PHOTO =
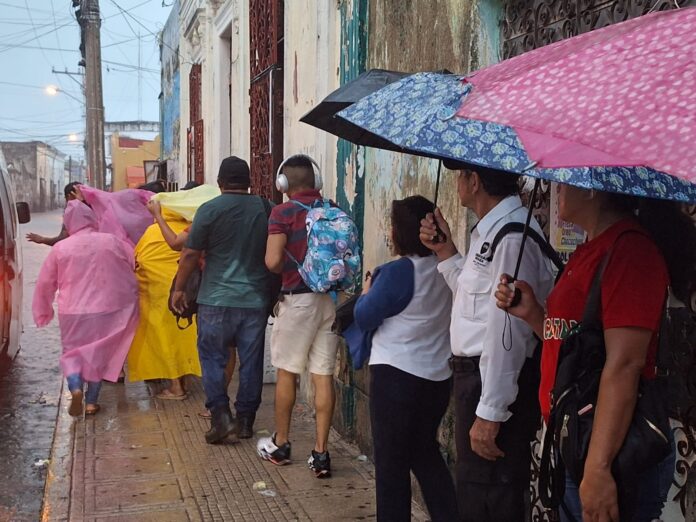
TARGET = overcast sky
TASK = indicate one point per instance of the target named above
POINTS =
(37, 35)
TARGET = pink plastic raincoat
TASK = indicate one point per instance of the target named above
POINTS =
(97, 297)
(123, 213)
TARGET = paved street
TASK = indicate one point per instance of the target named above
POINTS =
(142, 459)
(145, 460)
(29, 392)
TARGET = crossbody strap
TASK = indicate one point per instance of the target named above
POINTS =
(593, 305)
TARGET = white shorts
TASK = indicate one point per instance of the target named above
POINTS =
(302, 335)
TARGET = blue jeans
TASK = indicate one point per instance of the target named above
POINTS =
(220, 327)
(75, 383)
(653, 487)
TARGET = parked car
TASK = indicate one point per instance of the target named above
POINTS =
(11, 214)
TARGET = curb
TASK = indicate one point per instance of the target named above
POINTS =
(56, 499)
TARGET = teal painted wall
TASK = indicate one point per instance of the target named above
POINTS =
(350, 190)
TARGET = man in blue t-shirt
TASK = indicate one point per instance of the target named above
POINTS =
(231, 230)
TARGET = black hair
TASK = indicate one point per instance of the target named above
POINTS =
(191, 185)
(70, 188)
(153, 186)
(498, 183)
(406, 215)
(299, 160)
(304, 177)
(674, 233)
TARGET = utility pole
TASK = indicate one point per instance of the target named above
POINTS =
(90, 22)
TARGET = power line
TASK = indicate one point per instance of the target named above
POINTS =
(10, 47)
(19, 7)
(37, 47)
(55, 22)
(129, 66)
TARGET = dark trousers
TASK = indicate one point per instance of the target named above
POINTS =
(494, 491)
(219, 328)
(406, 411)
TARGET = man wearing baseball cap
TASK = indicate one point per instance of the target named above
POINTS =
(231, 230)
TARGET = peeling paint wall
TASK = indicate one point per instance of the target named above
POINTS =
(404, 35)
(310, 74)
(417, 35)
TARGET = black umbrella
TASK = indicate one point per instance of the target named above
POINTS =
(323, 116)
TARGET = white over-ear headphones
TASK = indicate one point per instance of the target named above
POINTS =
(282, 183)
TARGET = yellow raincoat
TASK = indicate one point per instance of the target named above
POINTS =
(160, 350)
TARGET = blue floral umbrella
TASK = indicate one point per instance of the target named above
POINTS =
(418, 114)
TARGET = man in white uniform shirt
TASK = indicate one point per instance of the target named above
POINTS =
(495, 370)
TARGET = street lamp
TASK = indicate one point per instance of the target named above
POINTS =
(52, 90)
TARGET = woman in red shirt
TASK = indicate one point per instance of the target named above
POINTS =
(652, 243)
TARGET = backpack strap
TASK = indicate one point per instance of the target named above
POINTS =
(518, 228)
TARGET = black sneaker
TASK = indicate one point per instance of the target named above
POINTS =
(320, 464)
(268, 450)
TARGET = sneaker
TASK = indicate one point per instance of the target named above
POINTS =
(268, 450)
(320, 464)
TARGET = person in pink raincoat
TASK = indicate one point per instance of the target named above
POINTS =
(93, 273)
(123, 213)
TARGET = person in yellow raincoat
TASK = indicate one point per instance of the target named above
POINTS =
(161, 350)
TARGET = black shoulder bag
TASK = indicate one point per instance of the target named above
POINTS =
(193, 285)
(574, 397)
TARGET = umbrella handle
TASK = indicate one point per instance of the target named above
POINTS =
(518, 294)
(517, 298)
(439, 234)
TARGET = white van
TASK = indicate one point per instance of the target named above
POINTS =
(11, 214)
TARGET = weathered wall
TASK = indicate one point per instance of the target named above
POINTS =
(310, 74)
(405, 35)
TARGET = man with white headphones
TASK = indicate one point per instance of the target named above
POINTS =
(302, 335)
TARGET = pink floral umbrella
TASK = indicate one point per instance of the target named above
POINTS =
(621, 96)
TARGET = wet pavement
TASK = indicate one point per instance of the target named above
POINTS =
(29, 393)
(142, 459)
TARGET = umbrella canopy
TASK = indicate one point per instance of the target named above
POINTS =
(531, 114)
(323, 115)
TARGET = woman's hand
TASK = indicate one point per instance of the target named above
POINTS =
(505, 293)
(429, 232)
(598, 496)
(155, 208)
(77, 193)
(528, 309)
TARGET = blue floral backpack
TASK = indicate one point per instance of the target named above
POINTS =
(332, 262)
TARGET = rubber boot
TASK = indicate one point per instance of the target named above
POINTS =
(246, 425)
(222, 425)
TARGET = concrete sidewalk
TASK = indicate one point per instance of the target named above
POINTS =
(143, 459)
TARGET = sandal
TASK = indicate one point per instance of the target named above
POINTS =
(92, 409)
(166, 395)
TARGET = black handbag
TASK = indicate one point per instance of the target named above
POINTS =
(193, 285)
(574, 397)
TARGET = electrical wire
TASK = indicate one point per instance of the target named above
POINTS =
(55, 22)
(13, 46)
